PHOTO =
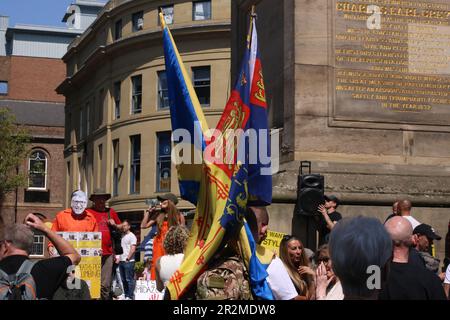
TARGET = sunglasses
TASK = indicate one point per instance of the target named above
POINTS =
(287, 237)
(325, 259)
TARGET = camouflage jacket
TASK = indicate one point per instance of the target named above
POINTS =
(227, 279)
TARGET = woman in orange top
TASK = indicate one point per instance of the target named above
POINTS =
(169, 216)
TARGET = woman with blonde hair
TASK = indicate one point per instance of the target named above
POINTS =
(168, 217)
(294, 258)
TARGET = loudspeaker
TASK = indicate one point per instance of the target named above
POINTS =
(310, 194)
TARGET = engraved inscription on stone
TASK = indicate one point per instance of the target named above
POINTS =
(392, 61)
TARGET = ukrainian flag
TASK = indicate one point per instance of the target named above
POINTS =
(221, 191)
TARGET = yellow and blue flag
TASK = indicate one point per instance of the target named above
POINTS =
(221, 191)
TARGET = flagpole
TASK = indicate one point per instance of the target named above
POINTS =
(250, 28)
(162, 20)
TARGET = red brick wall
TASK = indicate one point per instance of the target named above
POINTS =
(55, 180)
(4, 68)
(35, 79)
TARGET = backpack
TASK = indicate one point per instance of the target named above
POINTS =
(19, 286)
(226, 280)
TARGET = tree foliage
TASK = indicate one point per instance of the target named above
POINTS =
(14, 141)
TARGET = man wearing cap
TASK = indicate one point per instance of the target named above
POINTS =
(407, 280)
(74, 219)
(106, 218)
(424, 236)
(329, 217)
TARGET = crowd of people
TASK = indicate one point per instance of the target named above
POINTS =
(358, 257)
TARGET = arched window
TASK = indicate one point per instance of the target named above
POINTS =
(37, 170)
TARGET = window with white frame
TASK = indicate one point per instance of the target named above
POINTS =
(3, 87)
(37, 171)
(201, 10)
(163, 92)
(168, 14)
(38, 246)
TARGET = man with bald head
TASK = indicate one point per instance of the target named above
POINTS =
(406, 280)
(404, 210)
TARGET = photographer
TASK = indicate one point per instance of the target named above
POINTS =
(48, 274)
(149, 221)
(109, 225)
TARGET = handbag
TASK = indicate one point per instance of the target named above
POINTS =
(116, 238)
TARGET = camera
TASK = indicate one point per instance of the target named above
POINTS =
(152, 202)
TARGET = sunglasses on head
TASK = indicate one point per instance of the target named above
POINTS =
(287, 237)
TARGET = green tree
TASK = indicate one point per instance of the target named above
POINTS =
(14, 141)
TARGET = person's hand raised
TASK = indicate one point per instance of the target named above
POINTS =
(322, 209)
(34, 222)
(306, 270)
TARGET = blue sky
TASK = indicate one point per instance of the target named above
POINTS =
(40, 12)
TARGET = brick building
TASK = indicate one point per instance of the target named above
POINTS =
(30, 70)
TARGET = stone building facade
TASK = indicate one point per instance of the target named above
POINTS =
(117, 113)
(337, 87)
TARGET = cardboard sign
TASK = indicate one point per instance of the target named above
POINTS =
(273, 240)
(146, 290)
(89, 246)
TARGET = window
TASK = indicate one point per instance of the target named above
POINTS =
(101, 106)
(163, 165)
(82, 124)
(135, 164)
(202, 84)
(201, 10)
(138, 21)
(99, 164)
(88, 120)
(117, 86)
(163, 92)
(4, 87)
(136, 103)
(116, 168)
(38, 246)
(168, 14)
(37, 171)
(118, 30)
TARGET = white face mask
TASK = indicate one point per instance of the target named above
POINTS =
(79, 202)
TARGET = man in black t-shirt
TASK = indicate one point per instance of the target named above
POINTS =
(48, 274)
(408, 280)
(329, 217)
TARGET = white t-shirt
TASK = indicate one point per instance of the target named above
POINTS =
(413, 221)
(168, 265)
(279, 281)
(128, 240)
(447, 275)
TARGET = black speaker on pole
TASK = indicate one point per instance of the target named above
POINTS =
(310, 194)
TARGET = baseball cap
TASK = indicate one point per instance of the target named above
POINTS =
(427, 231)
(332, 198)
(168, 196)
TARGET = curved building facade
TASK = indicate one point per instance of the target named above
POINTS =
(117, 110)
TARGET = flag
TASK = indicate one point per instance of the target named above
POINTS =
(223, 190)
